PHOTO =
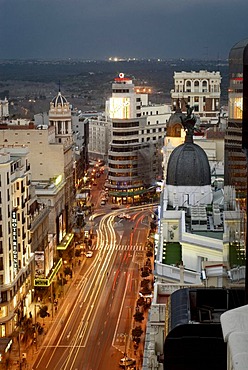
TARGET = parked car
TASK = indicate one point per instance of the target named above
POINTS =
(103, 202)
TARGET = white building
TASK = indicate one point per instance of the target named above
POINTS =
(15, 249)
(60, 118)
(137, 130)
(200, 90)
(196, 244)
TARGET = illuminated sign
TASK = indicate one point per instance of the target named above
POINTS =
(65, 242)
(14, 242)
(119, 108)
(48, 281)
(122, 78)
(236, 107)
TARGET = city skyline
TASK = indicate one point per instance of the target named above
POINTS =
(97, 29)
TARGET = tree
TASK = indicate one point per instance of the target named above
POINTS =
(136, 334)
(145, 283)
(44, 312)
(138, 316)
(145, 273)
(149, 253)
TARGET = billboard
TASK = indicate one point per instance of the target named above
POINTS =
(39, 260)
(119, 108)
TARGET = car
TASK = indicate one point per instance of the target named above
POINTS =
(121, 215)
(124, 215)
(126, 361)
(103, 202)
(89, 254)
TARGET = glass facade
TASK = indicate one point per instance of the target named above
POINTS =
(236, 136)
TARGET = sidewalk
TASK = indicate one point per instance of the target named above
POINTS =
(25, 346)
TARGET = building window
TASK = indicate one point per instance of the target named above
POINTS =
(188, 86)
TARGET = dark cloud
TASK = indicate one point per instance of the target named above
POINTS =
(128, 28)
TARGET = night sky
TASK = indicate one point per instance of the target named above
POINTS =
(98, 29)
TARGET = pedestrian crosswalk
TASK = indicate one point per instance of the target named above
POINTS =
(120, 247)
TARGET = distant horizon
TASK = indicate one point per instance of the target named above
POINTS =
(121, 59)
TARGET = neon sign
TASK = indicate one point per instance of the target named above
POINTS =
(14, 241)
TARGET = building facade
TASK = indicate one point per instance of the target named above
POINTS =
(15, 243)
(60, 117)
(235, 158)
(137, 131)
(200, 90)
(99, 137)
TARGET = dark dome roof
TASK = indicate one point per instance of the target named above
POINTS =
(175, 118)
(59, 99)
(188, 166)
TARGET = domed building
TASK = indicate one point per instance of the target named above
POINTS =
(60, 118)
(174, 125)
(188, 179)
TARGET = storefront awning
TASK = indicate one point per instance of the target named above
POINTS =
(45, 282)
(5, 344)
(65, 242)
(115, 193)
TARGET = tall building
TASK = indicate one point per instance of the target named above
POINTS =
(51, 164)
(137, 130)
(80, 128)
(4, 108)
(235, 158)
(15, 249)
(200, 90)
(98, 137)
(60, 117)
